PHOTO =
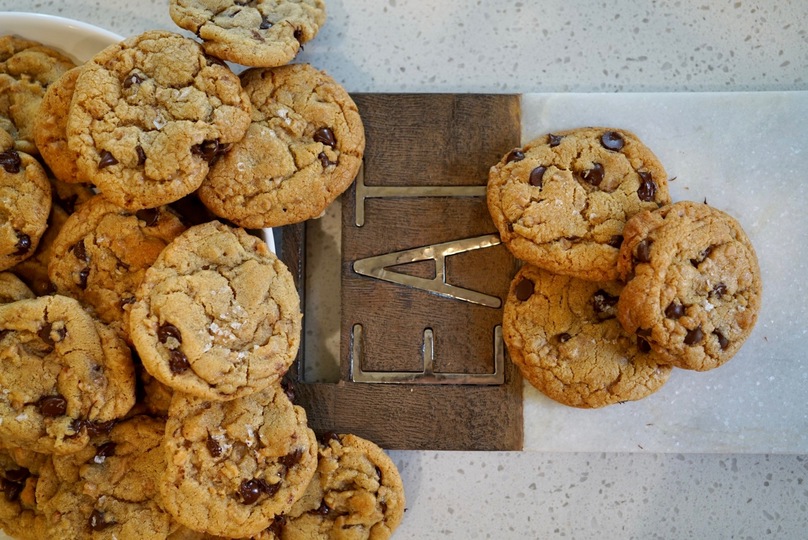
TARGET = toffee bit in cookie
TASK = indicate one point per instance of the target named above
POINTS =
(524, 289)
(719, 290)
(723, 342)
(11, 162)
(150, 215)
(177, 361)
(694, 337)
(616, 241)
(23, 244)
(213, 447)
(593, 176)
(98, 522)
(133, 79)
(642, 253)
(612, 140)
(674, 310)
(324, 160)
(325, 135)
(106, 159)
(52, 406)
(647, 190)
(104, 451)
(84, 274)
(554, 140)
(536, 178)
(515, 155)
(141, 155)
(167, 331)
(604, 303)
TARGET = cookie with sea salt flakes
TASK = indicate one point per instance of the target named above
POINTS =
(217, 315)
(302, 149)
(563, 335)
(693, 288)
(261, 33)
(233, 466)
(560, 202)
(149, 115)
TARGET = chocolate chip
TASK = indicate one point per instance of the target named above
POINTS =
(594, 175)
(126, 300)
(23, 244)
(277, 525)
(11, 489)
(325, 136)
(563, 337)
(52, 406)
(703, 254)
(324, 160)
(141, 155)
(642, 345)
(106, 159)
(210, 150)
(694, 336)
(104, 451)
(642, 253)
(11, 162)
(723, 342)
(68, 204)
(288, 387)
(322, 510)
(133, 79)
(291, 459)
(537, 176)
(379, 474)
(329, 436)
(647, 190)
(249, 491)
(616, 241)
(298, 33)
(524, 289)
(612, 140)
(515, 155)
(213, 447)
(80, 251)
(168, 330)
(265, 23)
(18, 476)
(554, 140)
(97, 428)
(719, 290)
(150, 215)
(674, 310)
(98, 522)
(46, 334)
(177, 361)
(603, 302)
(84, 273)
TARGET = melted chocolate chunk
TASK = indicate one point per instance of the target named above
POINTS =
(106, 159)
(177, 361)
(97, 428)
(265, 23)
(23, 244)
(46, 334)
(251, 490)
(593, 176)
(694, 337)
(326, 163)
(288, 387)
(554, 140)
(537, 176)
(166, 331)
(642, 253)
(616, 241)
(702, 255)
(98, 522)
(150, 215)
(325, 135)
(80, 251)
(11, 162)
(104, 451)
(210, 151)
(603, 302)
(322, 510)
(564, 337)
(723, 342)
(277, 525)
(719, 290)
(213, 447)
(84, 273)
(52, 406)
(674, 310)
(648, 188)
(612, 140)
(642, 345)
(524, 289)
(292, 459)
(329, 436)
(298, 35)
(515, 155)
(141, 155)
(133, 79)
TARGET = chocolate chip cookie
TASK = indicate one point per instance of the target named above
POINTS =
(102, 253)
(262, 33)
(62, 373)
(217, 315)
(303, 149)
(233, 466)
(13, 288)
(357, 488)
(560, 202)
(20, 515)
(24, 206)
(563, 335)
(150, 114)
(693, 289)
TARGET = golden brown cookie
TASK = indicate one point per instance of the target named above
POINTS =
(560, 202)
(233, 466)
(62, 373)
(13, 288)
(694, 286)
(102, 253)
(217, 315)
(303, 149)
(263, 33)
(563, 335)
(25, 203)
(150, 114)
(20, 514)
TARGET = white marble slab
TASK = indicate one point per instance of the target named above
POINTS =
(747, 154)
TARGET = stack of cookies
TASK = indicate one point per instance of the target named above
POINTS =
(144, 333)
(619, 284)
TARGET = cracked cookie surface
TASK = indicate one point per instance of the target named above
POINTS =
(563, 335)
(302, 149)
(233, 466)
(217, 315)
(561, 201)
(149, 115)
(261, 33)
(84, 374)
(693, 289)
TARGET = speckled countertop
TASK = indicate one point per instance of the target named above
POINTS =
(560, 46)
